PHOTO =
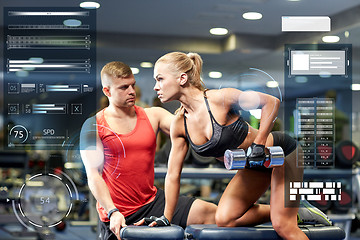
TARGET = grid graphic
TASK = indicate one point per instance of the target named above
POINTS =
(315, 191)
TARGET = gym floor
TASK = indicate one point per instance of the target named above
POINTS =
(355, 235)
(79, 233)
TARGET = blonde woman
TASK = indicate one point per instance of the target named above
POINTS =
(210, 122)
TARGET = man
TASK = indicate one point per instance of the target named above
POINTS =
(120, 163)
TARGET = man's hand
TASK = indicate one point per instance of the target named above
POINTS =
(117, 221)
(154, 221)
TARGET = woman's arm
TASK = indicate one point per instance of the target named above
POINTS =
(179, 148)
(269, 111)
(249, 100)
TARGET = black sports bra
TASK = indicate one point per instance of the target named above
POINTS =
(223, 137)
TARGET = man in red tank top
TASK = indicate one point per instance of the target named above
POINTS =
(120, 165)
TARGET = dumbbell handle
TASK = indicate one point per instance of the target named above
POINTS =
(237, 159)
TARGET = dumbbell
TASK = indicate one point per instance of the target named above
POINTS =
(236, 159)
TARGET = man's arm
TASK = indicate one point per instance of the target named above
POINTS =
(164, 119)
(92, 155)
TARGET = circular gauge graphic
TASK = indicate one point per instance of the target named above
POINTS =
(46, 199)
(18, 134)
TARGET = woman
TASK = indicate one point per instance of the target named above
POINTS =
(208, 121)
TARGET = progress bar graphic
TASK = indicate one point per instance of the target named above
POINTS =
(24, 13)
(50, 65)
(63, 88)
(48, 42)
(49, 108)
(43, 27)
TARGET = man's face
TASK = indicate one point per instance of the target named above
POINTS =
(121, 91)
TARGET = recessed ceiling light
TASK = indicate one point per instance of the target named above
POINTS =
(72, 23)
(330, 39)
(301, 79)
(272, 84)
(22, 73)
(90, 5)
(252, 16)
(28, 68)
(219, 31)
(346, 34)
(146, 64)
(135, 70)
(294, 0)
(324, 74)
(355, 87)
(215, 74)
(36, 60)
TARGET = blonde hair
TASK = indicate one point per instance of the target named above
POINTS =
(114, 70)
(190, 63)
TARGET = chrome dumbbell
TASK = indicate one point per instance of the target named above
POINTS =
(237, 159)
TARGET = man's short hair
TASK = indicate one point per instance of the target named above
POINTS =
(114, 69)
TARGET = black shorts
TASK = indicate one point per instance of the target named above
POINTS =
(155, 208)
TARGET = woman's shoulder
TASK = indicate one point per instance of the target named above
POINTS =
(179, 117)
(177, 124)
(221, 92)
(223, 95)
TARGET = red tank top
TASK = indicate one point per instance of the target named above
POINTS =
(128, 165)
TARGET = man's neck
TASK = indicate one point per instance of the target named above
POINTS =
(120, 112)
(121, 120)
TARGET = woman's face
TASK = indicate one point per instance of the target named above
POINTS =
(167, 85)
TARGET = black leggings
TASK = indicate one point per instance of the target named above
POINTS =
(287, 143)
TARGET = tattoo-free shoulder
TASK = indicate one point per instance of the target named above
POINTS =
(224, 96)
(177, 126)
(156, 111)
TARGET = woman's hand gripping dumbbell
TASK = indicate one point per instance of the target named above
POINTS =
(258, 156)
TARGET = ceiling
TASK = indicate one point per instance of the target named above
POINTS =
(142, 30)
(193, 18)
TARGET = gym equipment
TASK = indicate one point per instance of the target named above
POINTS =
(346, 153)
(237, 159)
(264, 232)
(173, 232)
(345, 203)
(355, 224)
(14, 159)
